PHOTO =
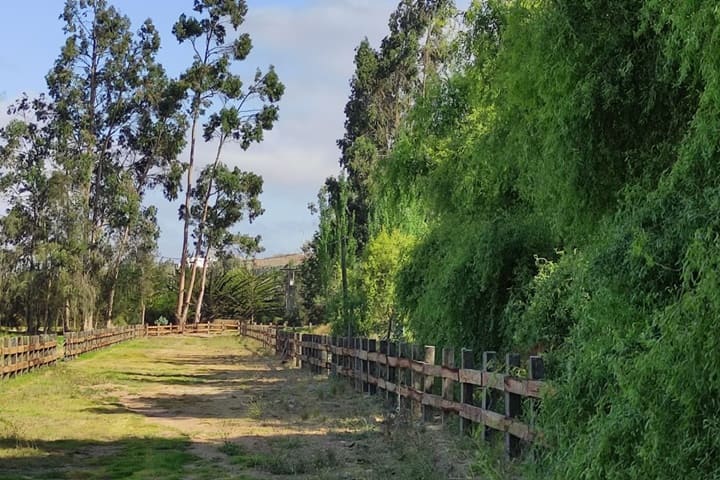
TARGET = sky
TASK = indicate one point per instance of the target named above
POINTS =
(311, 44)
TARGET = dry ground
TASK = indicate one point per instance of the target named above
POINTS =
(207, 408)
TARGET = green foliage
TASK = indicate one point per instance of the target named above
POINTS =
(559, 180)
(241, 293)
(76, 165)
(458, 281)
(383, 258)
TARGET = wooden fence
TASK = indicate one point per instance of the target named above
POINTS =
(21, 354)
(501, 397)
(158, 330)
(81, 342)
(207, 328)
(267, 335)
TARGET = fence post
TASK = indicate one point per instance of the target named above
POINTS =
(303, 350)
(488, 400)
(297, 350)
(513, 406)
(391, 373)
(364, 364)
(2, 357)
(324, 354)
(372, 367)
(416, 379)
(467, 390)
(448, 360)
(427, 410)
(382, 367)
(536, 371)
(357, 364)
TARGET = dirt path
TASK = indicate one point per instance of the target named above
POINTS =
(205, 408)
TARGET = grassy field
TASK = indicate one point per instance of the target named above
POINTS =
(206, 408)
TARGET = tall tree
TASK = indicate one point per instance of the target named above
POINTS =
(243, 115)
(223, 197)
(82, 158)
(117, 127)
(383, 87)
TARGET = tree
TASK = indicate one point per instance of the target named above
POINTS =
(83, 157)
(223, 197)
(383, 87)
(117, 128)
(241, 293)
(209, 80)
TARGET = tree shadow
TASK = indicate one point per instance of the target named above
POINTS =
(75, 459)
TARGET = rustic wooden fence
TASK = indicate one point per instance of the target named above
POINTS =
(501, 397)
(19, 355)
(82, 342)
(206, 328)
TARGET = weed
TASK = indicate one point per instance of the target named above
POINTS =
(230, 449)
(254, 409)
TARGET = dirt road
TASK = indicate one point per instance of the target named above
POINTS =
(206, 408)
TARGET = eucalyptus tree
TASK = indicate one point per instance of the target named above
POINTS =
(82, 158)
(242, 113)
(118, 129)
(222, 198)
(31, 234)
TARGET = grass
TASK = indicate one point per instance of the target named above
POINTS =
(204, 409)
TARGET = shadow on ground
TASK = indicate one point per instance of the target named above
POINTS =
(236, 416)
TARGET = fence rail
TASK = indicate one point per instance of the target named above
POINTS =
(501, 397)
(82, 342)
(209, 328)
(21, 354)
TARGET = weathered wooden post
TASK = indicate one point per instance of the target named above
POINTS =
(303, 350)
(448, 360)
(487, 401)
(416, 378)
(467, 390)
(372, 366)
(382, 367)
(364, 363)
(427, 410)
(357, 362)
(391, 374)
(536, 371)
(513, 406)
(325, 356)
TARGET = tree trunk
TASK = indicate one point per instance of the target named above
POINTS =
(186, 224)
(88, 322)
(46, 313)
(201, 294)
(111, 301)
(115, 275)
(66, 318)
(142, 312)
(191, 287)
(203, 219)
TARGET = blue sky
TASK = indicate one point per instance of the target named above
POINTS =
(311, 44)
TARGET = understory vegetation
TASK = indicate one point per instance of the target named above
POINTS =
(543, 176)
